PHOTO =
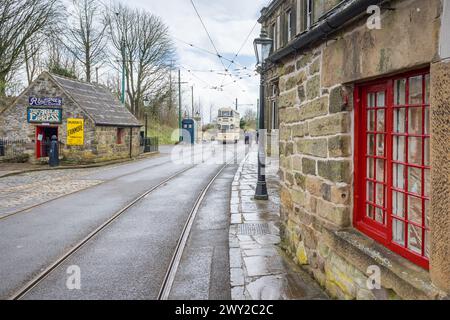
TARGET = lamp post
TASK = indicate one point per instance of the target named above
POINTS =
(263, 46)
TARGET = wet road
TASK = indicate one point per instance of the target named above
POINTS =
(128, 259)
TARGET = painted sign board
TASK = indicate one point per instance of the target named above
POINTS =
(45, 102)
(44, 115)
(75, 132)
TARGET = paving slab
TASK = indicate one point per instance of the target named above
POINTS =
(259, 268)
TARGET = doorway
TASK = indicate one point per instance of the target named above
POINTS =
(43, 140)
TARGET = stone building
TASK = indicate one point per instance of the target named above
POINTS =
(87, 119)
(361, 89)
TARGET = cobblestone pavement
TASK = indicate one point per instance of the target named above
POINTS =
(259, 269)
(29, 189)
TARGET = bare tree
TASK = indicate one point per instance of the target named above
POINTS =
(85, 38)
(60, 60)
(33, 58)
(20, 20)
(142, 41)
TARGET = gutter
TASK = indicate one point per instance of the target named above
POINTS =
(325, 27)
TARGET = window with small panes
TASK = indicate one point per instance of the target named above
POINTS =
(392, 163)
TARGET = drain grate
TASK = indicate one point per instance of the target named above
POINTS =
(253, 229)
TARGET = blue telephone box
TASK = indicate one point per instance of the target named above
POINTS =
(189, 131)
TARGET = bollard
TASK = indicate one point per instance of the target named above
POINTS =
(54, 152)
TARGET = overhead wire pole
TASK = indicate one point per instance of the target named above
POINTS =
(179, 106)
(192, 92)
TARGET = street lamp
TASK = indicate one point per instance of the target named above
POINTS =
(263, 46)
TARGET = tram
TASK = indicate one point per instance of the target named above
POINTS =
(228, 126)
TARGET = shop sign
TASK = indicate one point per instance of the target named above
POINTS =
(44, 115)
(75, 132)
(45, 102)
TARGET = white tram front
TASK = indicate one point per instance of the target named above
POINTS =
(228, 126)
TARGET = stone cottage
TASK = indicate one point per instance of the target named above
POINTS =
(361, 89)
(89, 122)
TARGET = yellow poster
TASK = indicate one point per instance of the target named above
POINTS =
(75, 132)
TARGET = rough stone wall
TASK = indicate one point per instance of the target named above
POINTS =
(440, 174)
(107, 147)
(99, 142)
(316, 170)
(316, 149)
(14, 125)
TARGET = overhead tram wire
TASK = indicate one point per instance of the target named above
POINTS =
(232, 101)
(209, 36)
(241, 47)
(244, 43)
(212, 53)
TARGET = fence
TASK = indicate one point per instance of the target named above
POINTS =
(12, 148)
(150, 144)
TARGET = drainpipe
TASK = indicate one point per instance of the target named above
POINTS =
(326, 27)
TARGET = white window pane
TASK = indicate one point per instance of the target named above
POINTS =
(370, 168)
(398, 232)
(415, 210)
(371, 144)
(370, 211)
(415, 151)
(370, 192)
(415, 180)
(400, 92)
(415, 120)
(415, 90)
(381, 99)
(399, 176)
(371, 100)
(415, 239)
(371, 120)
(381, 121)
(399, 120)
(380, 171)
(380, 145)
(398, 204)
(399, 149)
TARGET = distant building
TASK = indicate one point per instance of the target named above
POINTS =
(89, 122)
(360, 91)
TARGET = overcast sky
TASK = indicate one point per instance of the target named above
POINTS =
(229, 22)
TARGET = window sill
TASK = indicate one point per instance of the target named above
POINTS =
(405, 278)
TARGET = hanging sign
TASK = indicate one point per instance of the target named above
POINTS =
(45, 102)
(75, 132)
(44, 115)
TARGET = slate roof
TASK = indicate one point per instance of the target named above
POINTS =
(98, 102)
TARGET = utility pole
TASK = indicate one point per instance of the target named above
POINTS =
(179, 104)
(237, 106)
(123, 71)
(192, 88)
(96, 74)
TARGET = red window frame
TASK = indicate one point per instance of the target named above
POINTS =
(382, 231)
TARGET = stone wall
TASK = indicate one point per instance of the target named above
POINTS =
(316, 151)
(99, 142)
(14, 125)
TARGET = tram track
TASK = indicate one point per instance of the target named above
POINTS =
(166, 286)
(169, 278)
(25, 210)
(41, 276)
